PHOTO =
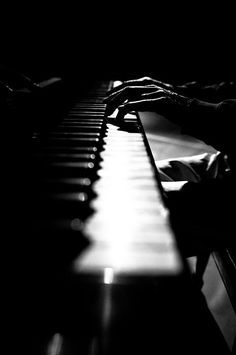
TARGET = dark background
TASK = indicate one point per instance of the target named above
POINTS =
(95, 41)
(116, 41)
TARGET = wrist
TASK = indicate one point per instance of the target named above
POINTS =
(196, 106)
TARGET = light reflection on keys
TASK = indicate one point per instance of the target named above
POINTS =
(136, 238)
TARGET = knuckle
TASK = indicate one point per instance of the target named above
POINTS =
(147, 78)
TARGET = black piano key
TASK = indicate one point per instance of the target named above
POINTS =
(76, 182)
(91, 122)
(85, 114)
(85, 103)
(60, 157)
(74, 141)
(74, 134)
(52, 206)
(84, 120)
(78, 165)
(61, 226)
(48, 149)
(68, 185)
(58, 241)
(66, 169)
(87, 165)
(76, 197)
(88, 108)
(79, 128)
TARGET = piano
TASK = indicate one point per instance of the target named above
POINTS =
(108, 275)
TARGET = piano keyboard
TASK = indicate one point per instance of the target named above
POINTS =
(108, 277)
(99, 179)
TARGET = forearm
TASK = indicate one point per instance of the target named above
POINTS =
(211, 122)
(212, 92)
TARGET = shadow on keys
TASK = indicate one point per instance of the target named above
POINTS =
(97, 279)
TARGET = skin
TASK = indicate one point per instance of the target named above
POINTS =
(144, 94)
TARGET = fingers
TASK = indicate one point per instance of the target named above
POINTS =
(132, 93)
(135, 82)
(150, 104)
(155, 94)
(144, 81)
(143, 98)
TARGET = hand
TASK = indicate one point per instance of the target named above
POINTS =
(144, 94)
(144, 81)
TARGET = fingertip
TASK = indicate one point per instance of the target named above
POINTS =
(108, 111)
(121, 113)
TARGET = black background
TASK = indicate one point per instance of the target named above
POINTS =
(117, 40)
(97, 41)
